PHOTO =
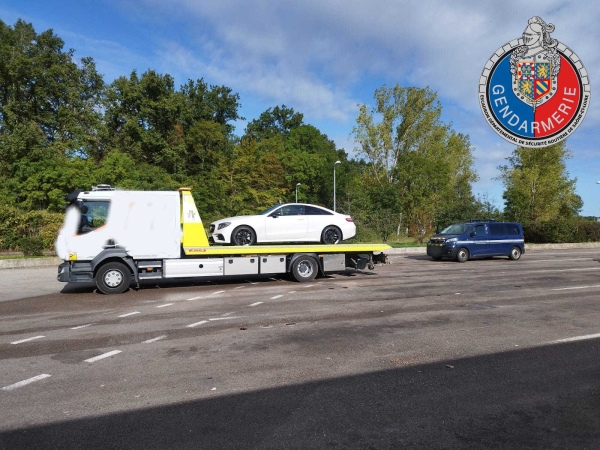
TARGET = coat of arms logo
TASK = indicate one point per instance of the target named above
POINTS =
(534, 91)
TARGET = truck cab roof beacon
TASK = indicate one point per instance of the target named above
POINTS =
(534, 91)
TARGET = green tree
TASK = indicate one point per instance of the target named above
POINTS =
(277, 120)
(537, 186)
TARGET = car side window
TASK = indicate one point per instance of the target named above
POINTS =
(479, 230)
(497, 229)
(312, 211)
(513, 229)
(292, 210)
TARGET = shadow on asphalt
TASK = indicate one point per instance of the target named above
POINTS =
(546, 397)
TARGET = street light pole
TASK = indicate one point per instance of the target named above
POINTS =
(297, 184)
(336, 163)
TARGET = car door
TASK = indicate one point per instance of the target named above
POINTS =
(478, 238)
(287, 224)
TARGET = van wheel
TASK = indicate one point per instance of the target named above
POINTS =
(113, 278)
(462, 255)
(515, 253)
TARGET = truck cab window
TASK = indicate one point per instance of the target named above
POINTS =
(93, 215)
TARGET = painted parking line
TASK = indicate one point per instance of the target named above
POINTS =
(130, 314)
(227, 314)
(308, 285)
(102, 356)
(223, 318)
(256, 304)
(576, 287)
(28, 339)
(165, 305)
(292, 292)
(577, 338)
(149, 341)
(194, 298)
(218, 292)
(240, 287)
(25, 382)
(277, 296)
(197, 323)
(82, 326)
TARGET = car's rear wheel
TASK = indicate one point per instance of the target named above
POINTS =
(243, 235)
(331, 235)
(515, 253)
(462, 255)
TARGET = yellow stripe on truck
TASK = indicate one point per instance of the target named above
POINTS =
(283, 249)
(194, 234)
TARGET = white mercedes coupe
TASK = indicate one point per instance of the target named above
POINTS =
(290, 222)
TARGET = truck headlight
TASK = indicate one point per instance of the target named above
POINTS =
(223, 225)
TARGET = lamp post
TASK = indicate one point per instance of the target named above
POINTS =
(297, 184)
(336, 163)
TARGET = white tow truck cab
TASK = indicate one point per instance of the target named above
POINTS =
(114, 237)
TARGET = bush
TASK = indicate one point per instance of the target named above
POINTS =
(561, 231)
(32, 246)
(16, 225)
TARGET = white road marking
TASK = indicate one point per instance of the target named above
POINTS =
(25, 382)
(129, 314)
(228, 314)
(576, 287)
(82, 326)
(292, 292)
(555, 260)
(149, 341)
(240, 287)
(195, 298)
(28, 339)
(577, 338)
(197, 323)
(224, 318)
(218, 292)
(308, 285)
(102, 356)
(277, 296)
(256, 304)
(165, 305)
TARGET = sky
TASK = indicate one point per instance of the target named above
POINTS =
(324, 57)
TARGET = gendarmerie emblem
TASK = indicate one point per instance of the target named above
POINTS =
(534, 91)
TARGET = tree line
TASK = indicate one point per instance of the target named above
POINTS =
(62, 128)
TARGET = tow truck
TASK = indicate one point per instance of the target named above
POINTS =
(116, 237)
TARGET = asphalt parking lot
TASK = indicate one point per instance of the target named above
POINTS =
(416, 354)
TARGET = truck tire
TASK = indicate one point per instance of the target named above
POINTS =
(305, 268)
(113, 278)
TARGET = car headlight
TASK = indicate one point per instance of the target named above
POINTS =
(223, 225)
(451, 240)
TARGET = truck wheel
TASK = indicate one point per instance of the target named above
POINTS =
(243, 235)
(462, 255)
(304, 268)
(331, 235)
(113, 278)
(515, 253)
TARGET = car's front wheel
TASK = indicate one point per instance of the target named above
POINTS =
(331, 235)
(462, 255)
(243, 235)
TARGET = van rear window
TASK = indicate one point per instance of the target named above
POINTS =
(513, 229)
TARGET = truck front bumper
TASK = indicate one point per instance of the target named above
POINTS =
(75, 272)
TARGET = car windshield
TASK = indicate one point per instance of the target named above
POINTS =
(456, 228)
(269, 210)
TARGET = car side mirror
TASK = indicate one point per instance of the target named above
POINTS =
(473, 233)
(274, 216)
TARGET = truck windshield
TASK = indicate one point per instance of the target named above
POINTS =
(456, 228)
(93, 214)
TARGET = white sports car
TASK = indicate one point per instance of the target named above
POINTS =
(290, 222)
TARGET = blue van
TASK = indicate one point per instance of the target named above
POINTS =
(478, 238)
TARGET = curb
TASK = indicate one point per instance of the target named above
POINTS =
(30, 262)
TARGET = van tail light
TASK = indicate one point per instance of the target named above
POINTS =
(349, 219)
